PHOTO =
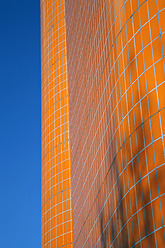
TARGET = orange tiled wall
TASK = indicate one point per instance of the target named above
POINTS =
(56, 171)
(116, 71)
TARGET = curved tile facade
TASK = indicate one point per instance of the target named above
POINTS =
(56, 168)
(116, 69)
(114, 119)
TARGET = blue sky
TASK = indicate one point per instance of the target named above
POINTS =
(20, 124)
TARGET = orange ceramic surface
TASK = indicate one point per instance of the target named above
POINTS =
(56, 167)
(116, 69)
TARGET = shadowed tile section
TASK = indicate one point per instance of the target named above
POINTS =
(116, 69)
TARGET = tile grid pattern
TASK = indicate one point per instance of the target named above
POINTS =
(116, 71)
(56, 169)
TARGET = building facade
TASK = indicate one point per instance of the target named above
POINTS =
(56, 168)
(115, 122)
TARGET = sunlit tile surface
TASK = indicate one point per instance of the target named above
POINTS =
(116, 71)
(56, 169)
